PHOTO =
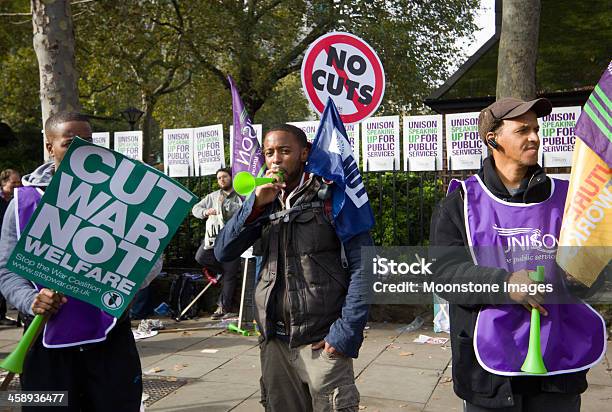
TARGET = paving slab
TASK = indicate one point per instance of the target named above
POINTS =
(443, 398)
(597, 398)
(227, 346)
(149, 356)
(601, 374)
(242, 370)
(186, 366)
(414, 355)
(204, 396)
(11, 333)
(370, 404)
(249, 405)
(170, 342)
(397, 382)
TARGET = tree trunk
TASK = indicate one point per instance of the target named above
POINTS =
(54, 46)
(148, 105)
(518, 49)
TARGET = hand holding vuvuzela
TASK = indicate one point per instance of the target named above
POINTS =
(45, 304)
(522, 296)
(534, 361)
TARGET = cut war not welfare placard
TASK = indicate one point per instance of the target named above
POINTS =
(100, 226)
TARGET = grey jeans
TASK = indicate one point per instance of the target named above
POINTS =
(302, 380)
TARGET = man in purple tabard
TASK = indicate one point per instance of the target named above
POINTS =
(511, 197)
(82, 350)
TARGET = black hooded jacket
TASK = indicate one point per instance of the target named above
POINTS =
(471, 382)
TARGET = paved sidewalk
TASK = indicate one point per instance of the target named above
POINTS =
(393, 373)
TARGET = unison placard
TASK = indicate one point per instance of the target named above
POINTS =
(209, 155)
(464, 148)
(352, 132)
(422, 143)
(558, 136)
(129, 144)
(309, 127)
(178, 152)
(381, 143)
(100, 226)
(101, 139)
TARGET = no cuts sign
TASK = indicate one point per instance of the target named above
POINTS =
(345, 68)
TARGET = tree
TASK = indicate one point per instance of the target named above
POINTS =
(258, 42)
(262, 42)
(518, 49)
(171, 58)
(54, 45)
(131, 48)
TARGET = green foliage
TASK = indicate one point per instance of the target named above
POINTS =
(416, 43)
(170, 58)
(574, 49)
(403, 216)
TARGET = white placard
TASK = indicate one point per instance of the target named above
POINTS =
(101, 139)
(309, 127)
(258, 130)
(423, 143)
(209, 153)
(352, 132)
(464, 148)
(178, 152)
(381, 143)
(129, 144)
(558, 136)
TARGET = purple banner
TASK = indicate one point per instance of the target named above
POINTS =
(247, 155)
(594, 126)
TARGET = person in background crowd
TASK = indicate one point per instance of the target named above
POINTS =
(9, 180)
(217, 208)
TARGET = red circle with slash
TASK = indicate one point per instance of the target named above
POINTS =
(344, 67)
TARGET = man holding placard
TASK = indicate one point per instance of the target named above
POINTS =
(50, 235)
(508, 219)
(217, 208)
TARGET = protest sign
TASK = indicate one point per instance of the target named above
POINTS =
(178, 152)
(352, 132)
(101, 139)
(309, 127)
(100, 226)
(129, 144)
(381, 143)
(464, 148)
(209, 154)
(346, 69)
(422, 143)
(258, 131)
(558, 136)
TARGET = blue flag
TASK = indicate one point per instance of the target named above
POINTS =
(331, 157)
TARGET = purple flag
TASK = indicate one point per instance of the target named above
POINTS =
(246, 151)
(594, 126)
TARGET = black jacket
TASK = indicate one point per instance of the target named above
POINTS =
(471, 382)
